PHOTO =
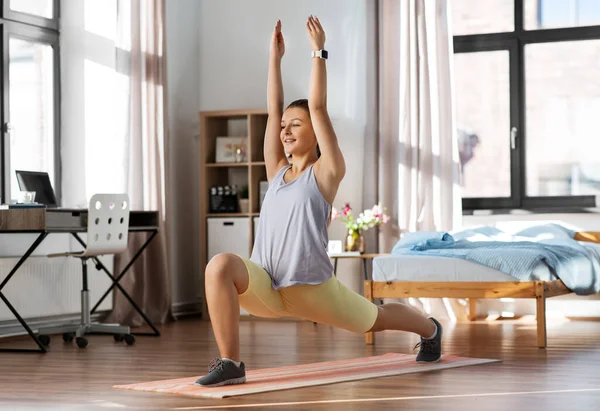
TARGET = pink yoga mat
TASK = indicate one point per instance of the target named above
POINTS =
(307, 375)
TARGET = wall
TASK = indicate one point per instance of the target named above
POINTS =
(183, 92)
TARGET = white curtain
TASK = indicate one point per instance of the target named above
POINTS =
(429, 171)
(143, 59)
(418, 170)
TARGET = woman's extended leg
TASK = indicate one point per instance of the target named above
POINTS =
(226, 277)
(395, 316)
(402, 317)
(333, 303)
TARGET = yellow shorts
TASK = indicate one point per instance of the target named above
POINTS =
(328, 303)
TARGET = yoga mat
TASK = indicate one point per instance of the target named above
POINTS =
(307, 375)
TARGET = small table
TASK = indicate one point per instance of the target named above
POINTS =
(363, 257)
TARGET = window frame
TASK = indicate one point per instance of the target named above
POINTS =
(32, 19)
(38, 30)
(516, 41)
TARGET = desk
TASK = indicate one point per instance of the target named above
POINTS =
(363, 257)
(62, 220)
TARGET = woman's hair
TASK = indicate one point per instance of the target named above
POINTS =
(303, 103)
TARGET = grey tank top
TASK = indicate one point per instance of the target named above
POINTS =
(291, 239)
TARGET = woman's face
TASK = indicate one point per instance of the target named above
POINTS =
(297, 134)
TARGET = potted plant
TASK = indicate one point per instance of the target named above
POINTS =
(243, 199)
(369, 218)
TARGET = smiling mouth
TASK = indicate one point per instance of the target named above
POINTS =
(289, 140)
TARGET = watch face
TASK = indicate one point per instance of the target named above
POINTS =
(324, 54)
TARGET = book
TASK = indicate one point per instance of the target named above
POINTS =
(344, 254)
(19, 206)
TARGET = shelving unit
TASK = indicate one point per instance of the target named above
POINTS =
(250, 124)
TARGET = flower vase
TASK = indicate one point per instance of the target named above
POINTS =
(355, 241)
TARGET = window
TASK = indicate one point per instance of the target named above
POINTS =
(30, 110)
(482, 16)
(42, 8)
(528, 103)
(485, 112)
(546, 14)
(562, 108)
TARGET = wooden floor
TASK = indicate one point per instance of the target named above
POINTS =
(564, 376)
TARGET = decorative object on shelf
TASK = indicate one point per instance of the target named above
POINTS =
(334, 247)
(215, 199)
(369, 218)
(231, 150)
(243, 199)
(239, 155)
(223, 199)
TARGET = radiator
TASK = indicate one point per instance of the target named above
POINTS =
(45, 287)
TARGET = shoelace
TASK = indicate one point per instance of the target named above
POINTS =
(217, 364)
(427, 345)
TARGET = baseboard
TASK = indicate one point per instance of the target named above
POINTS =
(187, 308)
(13, 328)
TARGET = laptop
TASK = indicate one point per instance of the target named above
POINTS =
(39, 182)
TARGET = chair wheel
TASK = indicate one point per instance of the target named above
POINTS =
(68, 337)
(81, 342)
(129, 339)
(44, 339)
(118, 337)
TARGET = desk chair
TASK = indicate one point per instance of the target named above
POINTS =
(107, 231)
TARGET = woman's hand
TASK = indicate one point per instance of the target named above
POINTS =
(277, 44)
(316, 34)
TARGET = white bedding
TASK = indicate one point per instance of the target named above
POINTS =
(433, 268)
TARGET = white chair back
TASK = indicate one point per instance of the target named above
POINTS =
(108, 224)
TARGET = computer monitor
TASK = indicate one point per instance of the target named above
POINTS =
(39, 182)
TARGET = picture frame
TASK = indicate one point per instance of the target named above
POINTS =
(334, 247)
(226, 149)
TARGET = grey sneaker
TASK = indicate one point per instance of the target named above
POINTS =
(431, 350)
(223, 372)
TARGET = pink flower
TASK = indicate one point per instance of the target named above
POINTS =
(347, 209)
(334, 213)
(377, 210)
(386, 218)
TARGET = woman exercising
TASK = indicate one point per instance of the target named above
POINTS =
(289, 272)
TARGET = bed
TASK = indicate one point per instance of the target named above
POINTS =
(441, 277)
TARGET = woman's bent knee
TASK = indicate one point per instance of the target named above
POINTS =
(220, 265)
(226, 267)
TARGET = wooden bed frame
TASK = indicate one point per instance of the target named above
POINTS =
(473, 291)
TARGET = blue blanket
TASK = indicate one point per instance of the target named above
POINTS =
(576, 264)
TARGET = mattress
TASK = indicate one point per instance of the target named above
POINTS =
(432, 268)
